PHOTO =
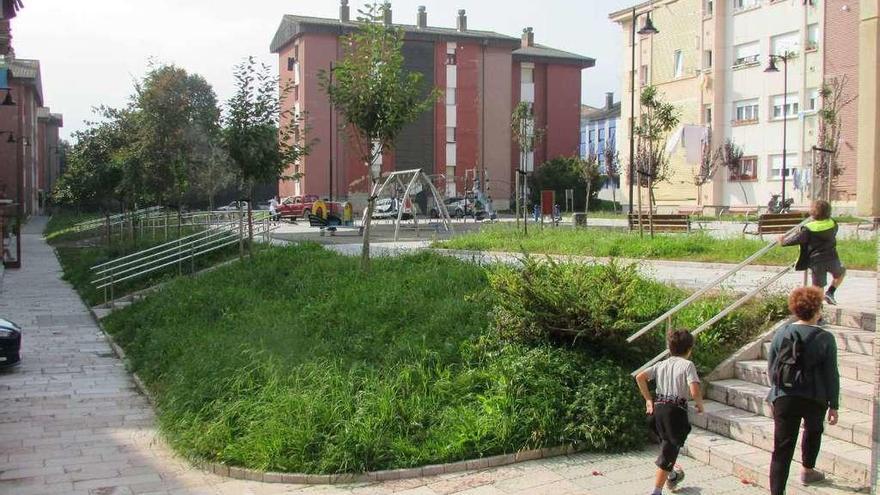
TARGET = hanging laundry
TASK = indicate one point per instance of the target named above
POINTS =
(673, 141)
(694, 137)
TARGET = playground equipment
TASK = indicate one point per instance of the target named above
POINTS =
(410, 182)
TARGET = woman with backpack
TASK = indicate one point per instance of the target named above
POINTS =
(805, 383)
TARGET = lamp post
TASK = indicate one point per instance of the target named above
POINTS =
(771, 68)
(647, 29)
(330, 141)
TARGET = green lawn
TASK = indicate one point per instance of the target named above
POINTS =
(856, 254)
(296, 361)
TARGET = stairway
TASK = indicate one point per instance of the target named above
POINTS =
(736, 431)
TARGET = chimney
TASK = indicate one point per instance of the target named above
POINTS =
(422, 19)
(462, 20)
(528, 37)
(344, 11)
(609, 100)
(386, 13)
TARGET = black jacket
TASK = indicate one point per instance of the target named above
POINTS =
(821, 360)
(818, 241)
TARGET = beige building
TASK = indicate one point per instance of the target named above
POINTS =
(709, 60)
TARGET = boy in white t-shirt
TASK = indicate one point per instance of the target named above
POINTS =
(676, 379)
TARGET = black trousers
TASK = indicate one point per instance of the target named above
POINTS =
(670, 423)
(788, 412)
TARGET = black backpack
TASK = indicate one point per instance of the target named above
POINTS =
(790, 370)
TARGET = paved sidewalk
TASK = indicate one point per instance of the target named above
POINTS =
(72, 422)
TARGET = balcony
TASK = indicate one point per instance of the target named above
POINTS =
(748, 61)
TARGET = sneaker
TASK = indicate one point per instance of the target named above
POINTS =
(672, 483)
(812, 476)
(829, 298)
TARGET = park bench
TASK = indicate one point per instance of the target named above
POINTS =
(662, 223)
(776, 223)
(867, 225)
(690, 210)
(329, 224)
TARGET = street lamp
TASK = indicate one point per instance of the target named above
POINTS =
(771, 68)
(647, 29)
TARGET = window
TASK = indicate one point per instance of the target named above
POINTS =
(591, 142)
(450, 96)
(678, 63)
(740, 5)
(707, 114)
(812, 37)
(601, 148)
(643, 75)
(791, 163)
(813, 99)
(528, 75)
(747, 170)
(612, 135)
(785, 106)
(450, 134)
(707, 59)
(746, 110)
(746, 54)
(785, 43)
(708, 7)
(450, 53)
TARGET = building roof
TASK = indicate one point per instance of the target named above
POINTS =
(44, 113)
(28, 70)
(294, 25)
(547, 54)
(624, 14)
(604, 113)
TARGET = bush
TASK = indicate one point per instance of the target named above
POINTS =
(564, 173)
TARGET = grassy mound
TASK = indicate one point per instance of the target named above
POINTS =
(855, 253)
(298, 362)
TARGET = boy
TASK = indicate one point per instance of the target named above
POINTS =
(818, 242)
(676, 377)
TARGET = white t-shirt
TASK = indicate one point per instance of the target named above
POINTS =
(673, 377)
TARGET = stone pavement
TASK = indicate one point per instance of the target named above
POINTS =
(72, 421)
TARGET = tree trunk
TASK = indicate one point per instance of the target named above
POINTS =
(651, 206)
(365, 248)
(240, 233)
(639, 212)
(516, 195)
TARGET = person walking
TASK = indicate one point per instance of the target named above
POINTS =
(805, 383)
(818, 242)
(273, 209)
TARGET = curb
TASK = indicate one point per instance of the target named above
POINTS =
(241, 473)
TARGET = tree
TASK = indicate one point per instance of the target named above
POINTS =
(261, 138)
(729, 155)
(834, 100)
(212, 175)
(611, 164)
(376, 95)
(570, 172)
(527, 137)
(658, 118)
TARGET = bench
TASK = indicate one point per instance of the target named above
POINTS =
(867, 225)
(690, 210)
(662, 223)
(776, 223)
(330, 224)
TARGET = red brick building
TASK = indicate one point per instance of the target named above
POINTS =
(466, 136)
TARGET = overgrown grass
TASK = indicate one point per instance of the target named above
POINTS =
(62, 223)
(297, 361)
(855, 253)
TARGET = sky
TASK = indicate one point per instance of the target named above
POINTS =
(91, 51)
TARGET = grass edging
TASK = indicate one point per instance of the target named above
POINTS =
(247, 474)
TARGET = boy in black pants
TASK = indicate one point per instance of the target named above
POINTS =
(676, 378)
(818, 242)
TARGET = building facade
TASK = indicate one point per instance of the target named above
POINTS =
(465, 139)
(720, 49)
(599, 127)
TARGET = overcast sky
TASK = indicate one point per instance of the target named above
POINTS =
(92, 50)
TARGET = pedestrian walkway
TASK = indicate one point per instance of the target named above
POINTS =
(73, 423)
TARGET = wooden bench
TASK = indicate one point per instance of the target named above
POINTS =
(662, 223)
(776, 223)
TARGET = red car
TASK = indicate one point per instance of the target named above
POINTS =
(297, 206)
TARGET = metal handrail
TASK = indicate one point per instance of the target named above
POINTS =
(724, 312)
(115, 219)
(667, 316)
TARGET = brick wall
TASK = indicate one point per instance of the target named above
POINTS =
(841, 59)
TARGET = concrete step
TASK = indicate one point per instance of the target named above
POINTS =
(849, 341)
(750, 396)
(841, 457)
(852, 365)
(752, 465)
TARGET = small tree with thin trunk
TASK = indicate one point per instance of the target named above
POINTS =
(729, 155)
(376, 95)
(259, 135)
(527, 137)
(827, 169)
(658, 118)
(611, 162)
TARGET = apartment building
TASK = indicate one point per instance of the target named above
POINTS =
(709, 59)
(599, 127)
(465, 139)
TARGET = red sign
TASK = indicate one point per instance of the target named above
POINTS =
(548, 199)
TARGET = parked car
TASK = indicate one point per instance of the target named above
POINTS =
(465, 207)
(297, 206)
(233, 206)
(386, 208)
(10, 343)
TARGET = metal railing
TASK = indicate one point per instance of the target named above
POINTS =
(136, 265)
(667, 316)
(117, 219)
